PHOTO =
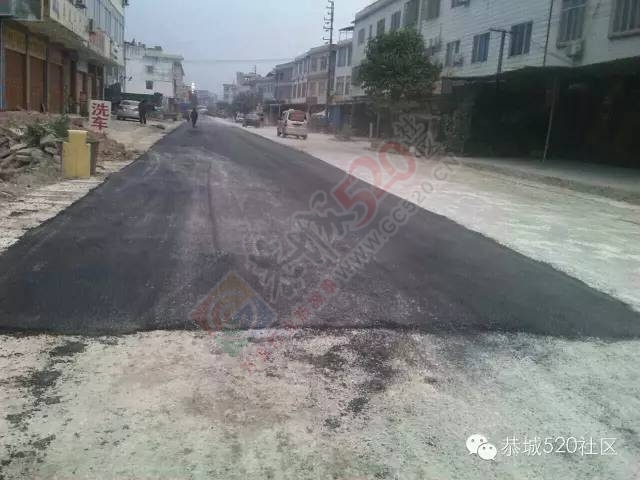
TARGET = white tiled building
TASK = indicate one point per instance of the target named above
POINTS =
(463, 36)
(343, 71)
(378, 18)
(539, 32)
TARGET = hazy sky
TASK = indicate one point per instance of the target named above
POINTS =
(208, 31)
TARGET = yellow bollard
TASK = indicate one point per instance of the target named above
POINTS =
(76, 155)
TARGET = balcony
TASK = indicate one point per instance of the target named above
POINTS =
(63, 22)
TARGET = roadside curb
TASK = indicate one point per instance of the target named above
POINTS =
(570, 184)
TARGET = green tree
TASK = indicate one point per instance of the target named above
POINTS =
(245, 102)
(396, 74)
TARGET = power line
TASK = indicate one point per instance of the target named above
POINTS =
(237, 60)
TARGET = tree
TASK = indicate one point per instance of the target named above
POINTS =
(245, 102)
(396, 73)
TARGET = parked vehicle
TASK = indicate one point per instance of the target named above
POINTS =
(252, 119)
(239, 118)
(128, 109)
(293, 122)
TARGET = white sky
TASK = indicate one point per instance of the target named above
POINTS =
(206, 31)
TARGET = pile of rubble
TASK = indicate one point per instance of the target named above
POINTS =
(18, 156)
(31, 142)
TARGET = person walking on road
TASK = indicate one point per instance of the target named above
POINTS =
(142, 112)
(194, 117)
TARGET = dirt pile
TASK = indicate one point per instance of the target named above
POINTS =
(31, 142)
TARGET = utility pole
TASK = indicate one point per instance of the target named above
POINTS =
(328, 27)
(501, 55)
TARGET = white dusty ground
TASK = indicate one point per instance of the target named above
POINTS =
(590, 237)
(37, 205)
(371, 404)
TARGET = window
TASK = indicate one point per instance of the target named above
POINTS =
(480, 48)
(380, 27)
(150, 69)
(370, 32)
(149, 85)
(453, 49)
(314, 64)
(459, 3)
(322, 88)
(342, 57)
(571, 20)
(626, 17)
(349, 54)
(340, 86)
(431, 9)
(520, 39)
(323, 64)
(396, 19)
(304, 90)
(313, 89)
(411, 10)
(347, 85)
(361, 36)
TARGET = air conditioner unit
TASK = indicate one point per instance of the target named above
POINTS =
(575, 49)
(458, 60)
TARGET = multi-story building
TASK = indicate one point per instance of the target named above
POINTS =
(266, 88)
(465, 36)
(284, 82)
(376, 19)
(151, 71)
(310, 78)
(59, 54)
(206, 98)
(228, 92)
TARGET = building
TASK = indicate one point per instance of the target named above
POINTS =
(153, 72)
(206, 98)
(378, 18)
(229, 92)
(513, 70)
(465, 36)
(303, 83)
(284, 82)
(568, 74)
(342, 101)
(266, 88)
(59, 54)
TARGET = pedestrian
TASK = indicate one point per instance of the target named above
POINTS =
(142, 112)
(194, 117)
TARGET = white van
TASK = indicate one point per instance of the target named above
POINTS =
(293, 122)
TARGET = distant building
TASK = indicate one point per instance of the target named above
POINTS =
(206, 98)
(229, 92)
(152, 71)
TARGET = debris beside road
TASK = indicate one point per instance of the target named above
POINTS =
(31, 148)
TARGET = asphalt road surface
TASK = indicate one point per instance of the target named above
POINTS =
(139, 252)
